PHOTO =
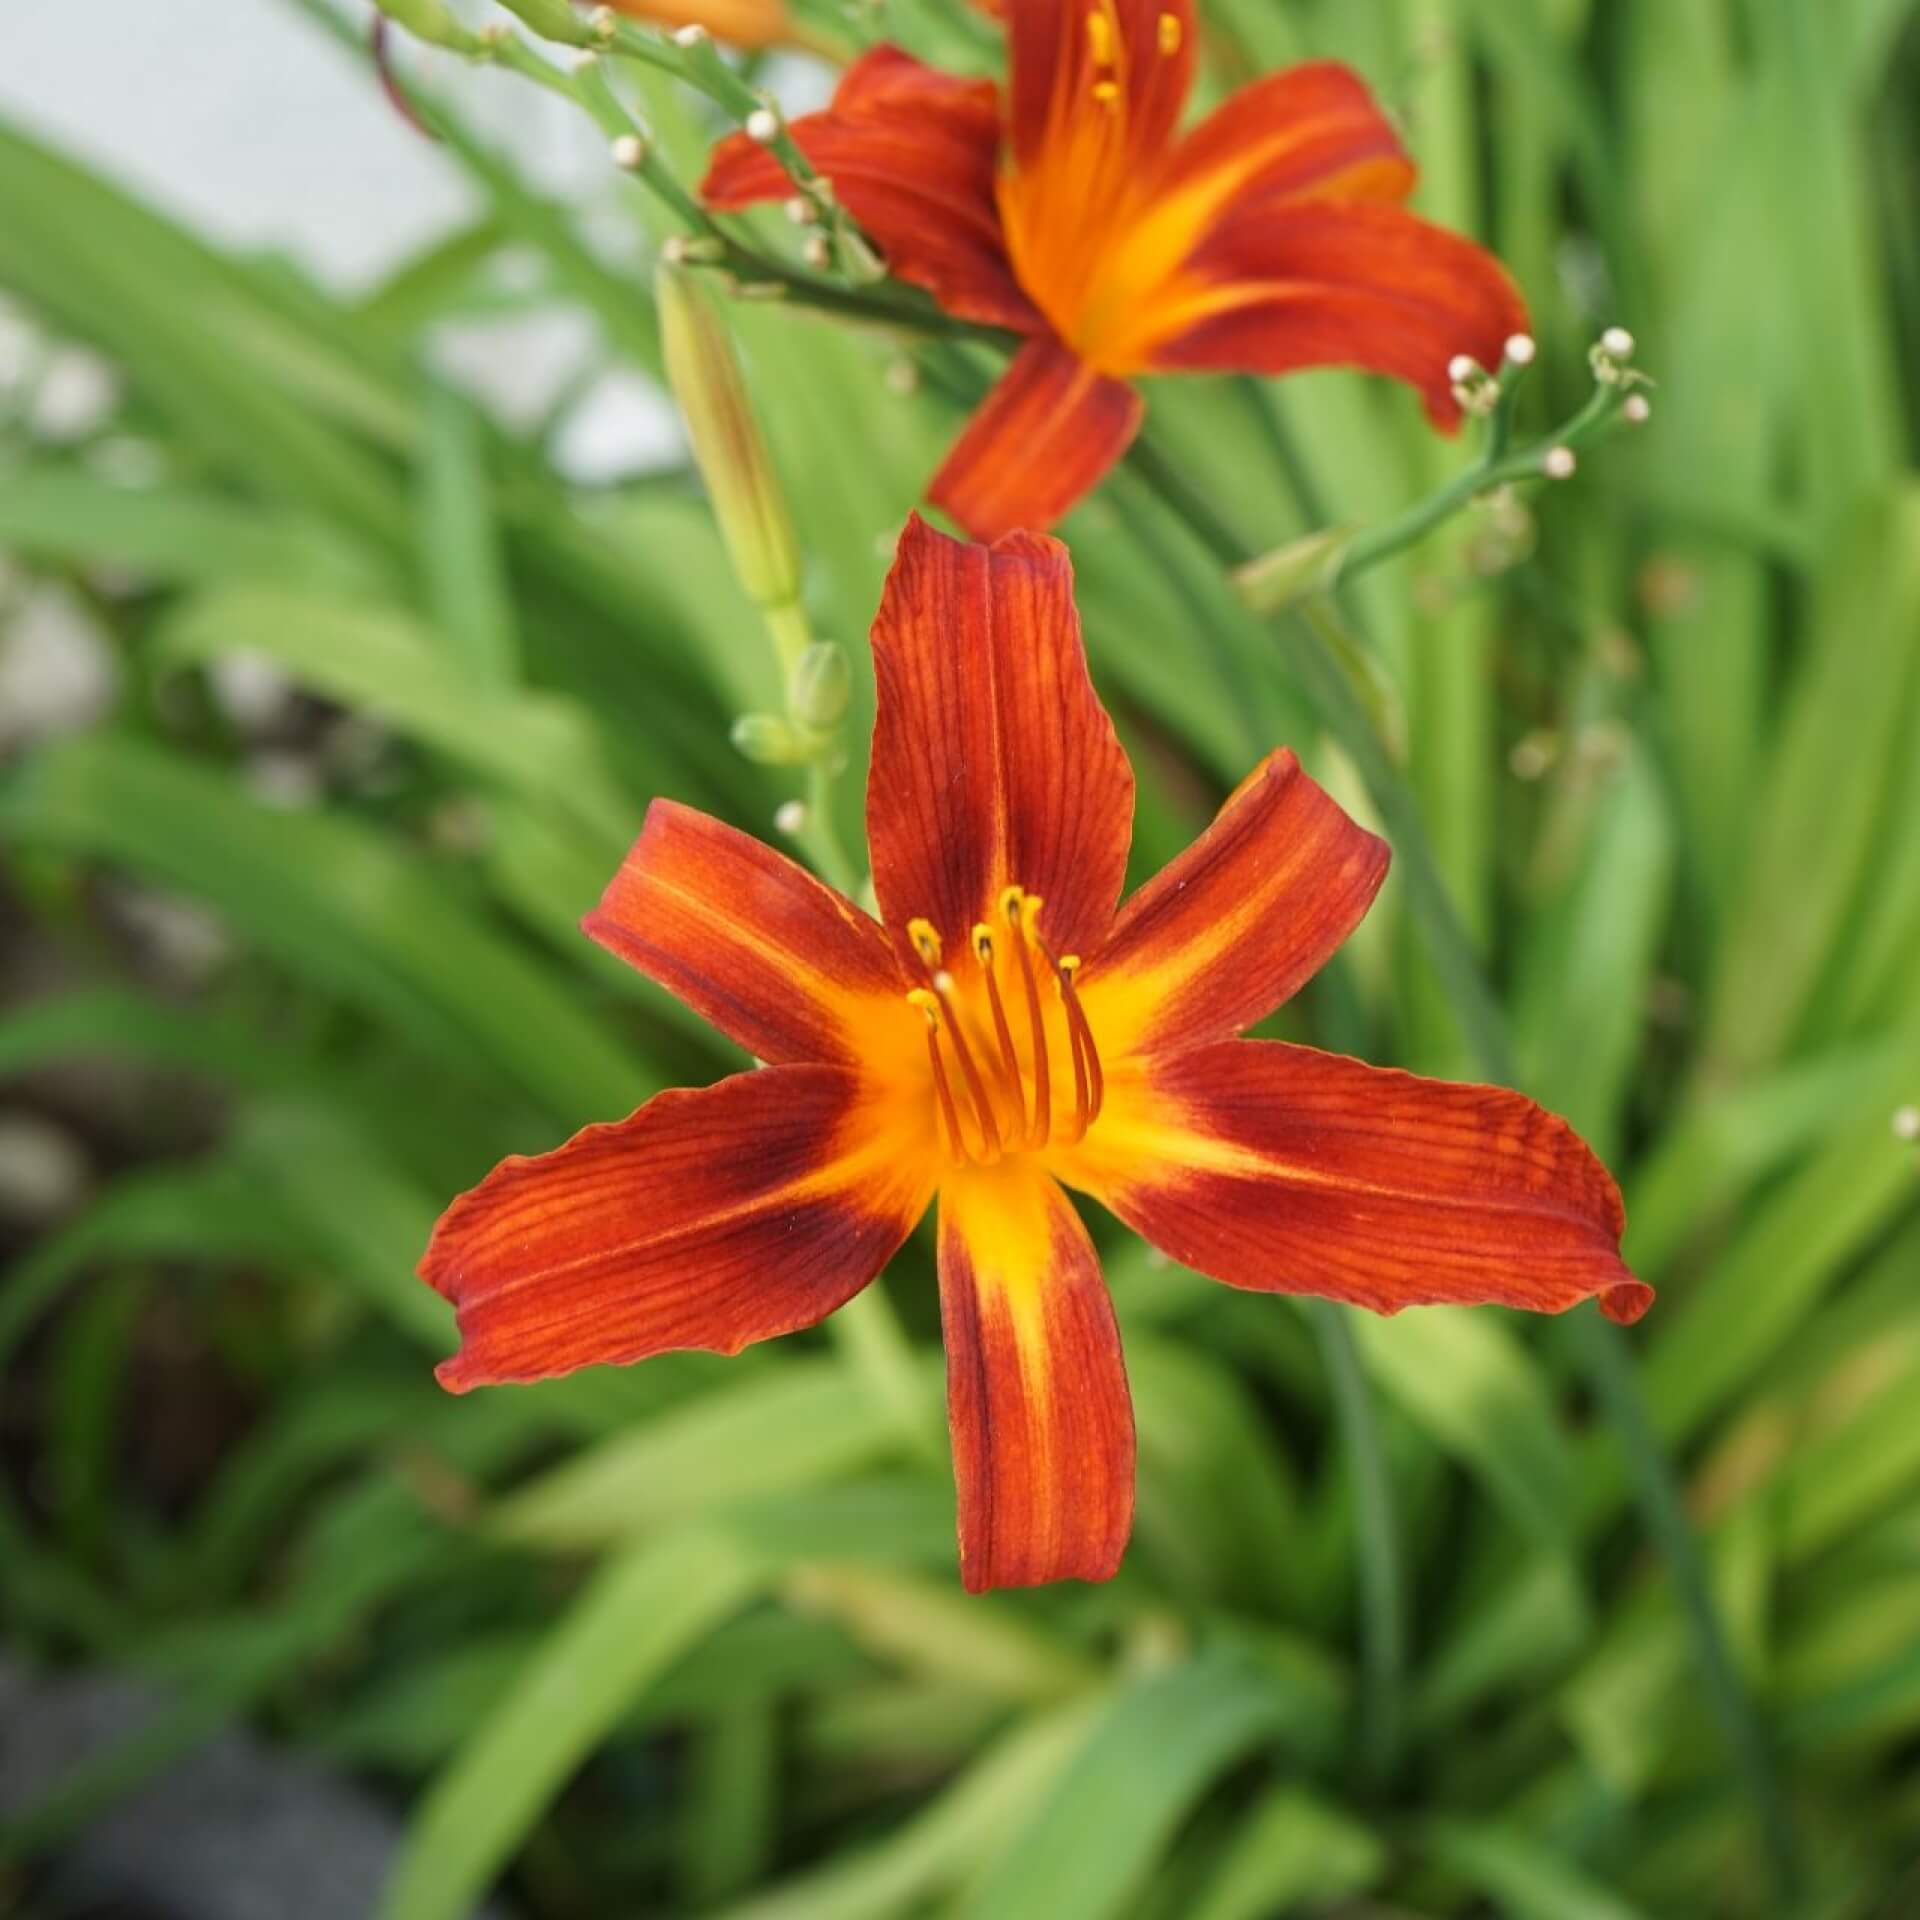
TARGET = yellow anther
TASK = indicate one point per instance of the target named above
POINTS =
(983, 943)
(1100, 38)
(1107, 92)
(1012, 899)
(1170, 33)
(926, 941)
(1069, 964)
(928, 1003)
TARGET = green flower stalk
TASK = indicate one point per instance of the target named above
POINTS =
(432, 21)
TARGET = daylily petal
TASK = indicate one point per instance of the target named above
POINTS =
(1239, 922)
(1313, 131)
(1064, 53)
(1041, 440)
(775, 959)
(1273, 289)
(911, 153)
(710, 1218)
(1284, 1170)
(1043, 1449)
(994, 763)
(741, 23)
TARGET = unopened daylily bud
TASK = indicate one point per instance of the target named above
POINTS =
(706, 381)
(1294, 572)
(552, 20)
(769, 741)
(819, 687)
(433, 22)
(858, 261)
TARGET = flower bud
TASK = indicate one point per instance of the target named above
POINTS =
(1295, 572)
(769, 741)
(733, 460)
(433, 22)
(819, 686)
(553, 20)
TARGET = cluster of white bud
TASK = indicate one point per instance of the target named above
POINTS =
(1611, 358)
(1474, 389)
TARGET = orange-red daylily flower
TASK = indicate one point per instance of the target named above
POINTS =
(1000, 1033)
(1270, 238)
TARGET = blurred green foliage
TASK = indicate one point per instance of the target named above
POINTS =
(1393, 1637)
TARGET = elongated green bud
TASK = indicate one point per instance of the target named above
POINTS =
(431, 21)
(818, 687)
(554, 20)
(1295, 572)
(769, 741)
(706, 381)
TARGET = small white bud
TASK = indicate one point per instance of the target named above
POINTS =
(495, 34)
(1636, 410)
(603, 22)
(693, 35)
(818, 252)
(630, 152)
(790, 818)
(1520, 350)
(673, 249)
(763, 125)
(1559, 463)
(902, 376)
(1462, 368)
(1906, 1123)
(801, 211)
(1617, 343)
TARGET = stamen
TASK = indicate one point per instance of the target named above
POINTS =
(1086, 1056)
(976, 1087)
(1100, 38)
(1107, 92)
(926, 941)
(956, 1141)
(1169, 34)
(1012, 903)
(1009, 1059)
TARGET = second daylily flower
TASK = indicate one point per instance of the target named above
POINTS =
(1001, 1032)
(1272, 237)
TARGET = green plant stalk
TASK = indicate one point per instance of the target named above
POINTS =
(1498, 468)
(1383, 1605)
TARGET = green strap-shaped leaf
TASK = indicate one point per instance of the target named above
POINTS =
(638, 1613)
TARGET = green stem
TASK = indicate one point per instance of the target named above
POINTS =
(1383, 1609)
(1497, 469)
